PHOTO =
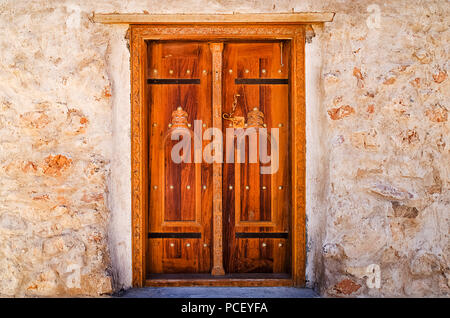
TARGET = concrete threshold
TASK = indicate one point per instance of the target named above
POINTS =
(218, 292)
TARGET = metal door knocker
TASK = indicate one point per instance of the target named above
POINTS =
(235, 122)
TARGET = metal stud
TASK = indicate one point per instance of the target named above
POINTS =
(264, 187)
(155, 71)
(280, 125)
(188, 244)
(230, 71)
(172, 245)
(230, 187)
(204, 125)
(204, 72)
(189, 125)
(188, 187)
(170, 71)
(170, 125)
(247, 187)
(263, 71)
(171, 187)
(280, 187)
(155, 124)
(245, 125)
(264, 125)
(264, 244)
(247, 71)
(255, 108)
(188, 71)
(280, 71)
(231, 125)
(155, 187)
(205, 245)
(204, 187)
(280, 244)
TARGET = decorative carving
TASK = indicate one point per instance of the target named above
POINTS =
(218, 31)
(179, 118)
(299, 158)
(136, 163)
(216, 50)
(255, 118)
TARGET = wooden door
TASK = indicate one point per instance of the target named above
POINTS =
(256, 206)
(180, 197)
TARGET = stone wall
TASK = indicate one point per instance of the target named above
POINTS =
(377, 145)
(386, 93)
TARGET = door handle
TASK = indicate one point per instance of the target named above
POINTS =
(235, 121)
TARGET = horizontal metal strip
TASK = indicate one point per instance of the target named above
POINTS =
(261, 81)
(174, 235)
(283, 235)
(173, 81)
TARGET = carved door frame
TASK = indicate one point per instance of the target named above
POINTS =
(139, 130)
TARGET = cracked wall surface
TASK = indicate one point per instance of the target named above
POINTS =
(377, 129)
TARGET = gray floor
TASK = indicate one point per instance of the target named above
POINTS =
(219, 292)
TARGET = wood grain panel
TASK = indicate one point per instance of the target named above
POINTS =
(238, 280)
(261, 201)
(178, 202)
(196, 19)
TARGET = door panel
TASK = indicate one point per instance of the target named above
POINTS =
(255, 204)
(180, 233)
(252, 258)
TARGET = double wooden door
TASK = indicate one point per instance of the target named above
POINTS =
(207, 213)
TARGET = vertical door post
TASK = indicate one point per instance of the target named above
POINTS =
(216, 50)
